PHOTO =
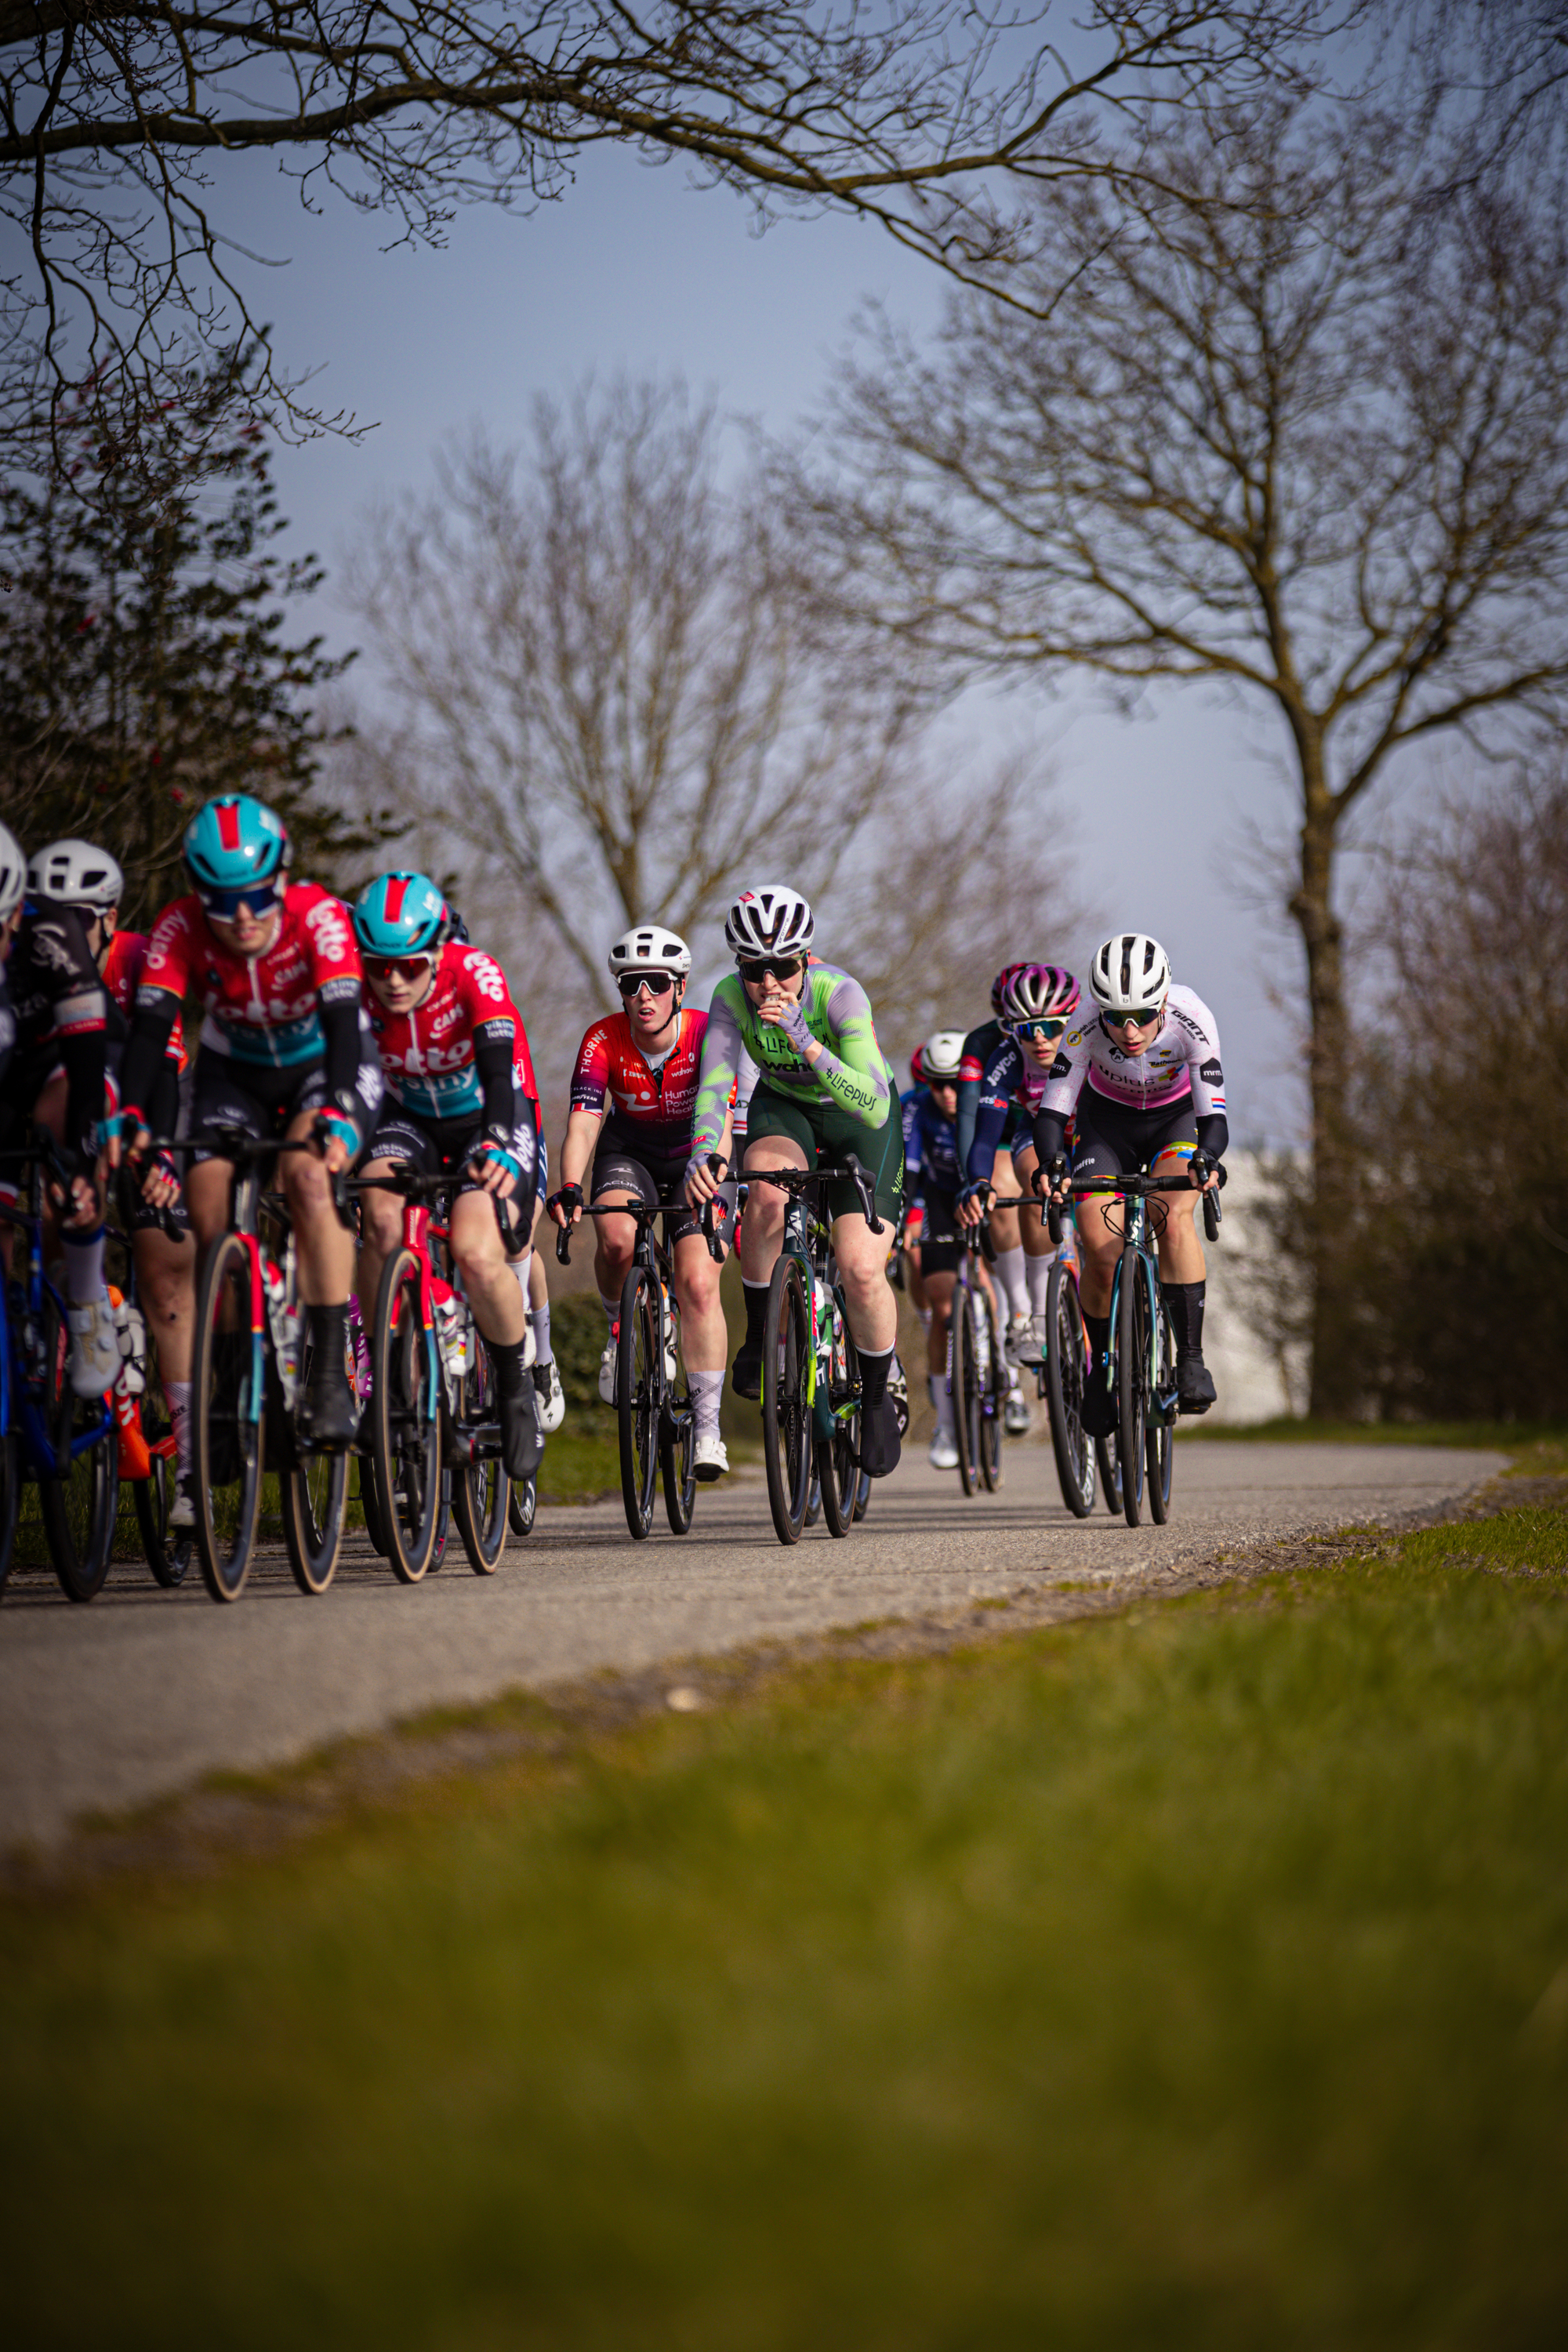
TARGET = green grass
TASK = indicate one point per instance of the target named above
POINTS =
(1194, 1977)
(1534, 1445)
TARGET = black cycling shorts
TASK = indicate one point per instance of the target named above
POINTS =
(1112, 1140)
(823, 1130)
(938, 1241)
(657, 1181)
(263, 1102)
(437, 1146)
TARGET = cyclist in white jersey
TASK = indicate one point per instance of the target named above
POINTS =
(1141, 1079)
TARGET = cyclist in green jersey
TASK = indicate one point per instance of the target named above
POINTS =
(825, 1087)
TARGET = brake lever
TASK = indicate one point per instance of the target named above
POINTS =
(863, 1186)
(563, 1245)
(715, 1247)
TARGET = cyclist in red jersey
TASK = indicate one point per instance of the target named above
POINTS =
(634, 1100)
(281, 1053)
(462, 1101)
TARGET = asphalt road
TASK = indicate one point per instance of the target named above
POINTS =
(141, 1693)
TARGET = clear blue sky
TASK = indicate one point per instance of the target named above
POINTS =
(637, 269)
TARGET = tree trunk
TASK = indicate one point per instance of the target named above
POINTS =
(1333, 1381)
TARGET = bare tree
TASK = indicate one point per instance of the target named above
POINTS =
(1287, 430)
(116, 117)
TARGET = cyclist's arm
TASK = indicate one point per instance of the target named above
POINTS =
(1208, 1091)
(993, 1096)
(495, 1066)
(857, 1075)
(1060, 1100)
(967, 1117)
(147, 1049)
(339, 1001)
(722, 1047)
(577, 1149)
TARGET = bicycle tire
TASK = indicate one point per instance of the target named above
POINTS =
(444, 1521)
(838, 1456)
(520, 1507)
(1108, 1455)
(1131, 1373)
(992, 1400)
(168, 1557)
(788, 1449)
(1159, 1440)
(481, 1491)
(963, 1385)
(1070, 1444)
(639, 1384)
(313, 1499)
(862, 1495)
(370, 1504)
(678, 1461)
(814, 1500)
(405, 1421)
(10, 1496)
(79, 1508)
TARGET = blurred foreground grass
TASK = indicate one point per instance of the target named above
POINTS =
(1198, 1976)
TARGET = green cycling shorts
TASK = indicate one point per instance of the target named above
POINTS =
(826, 1133)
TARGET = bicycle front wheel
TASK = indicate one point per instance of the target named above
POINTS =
(787, 1444)
(228, 1412)
(79, 1506)
(520, 1509)
(1108, 1454)
(1063, 1392)
(838, 1456)
(1161, 1440)
(10, 1495)
(639, 1383)
(1131, 1381)
(405, 1421)
(481, 1491)
(964, 1380)
(992, 1396)
(168, 1550)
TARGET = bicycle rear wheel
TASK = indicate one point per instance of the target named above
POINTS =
(838, 1456)
(992, 1396)
(787, 1444)
(638, 1381)
(1108, 1454)
(481, 1491)
(405, 1421)
(1162, 1438)
(678, 1461)
(78, 1507)
(1063, 1392)
(1131, 1381)
(228, 1416)
(10, 1495)
(862, 1495)
(168, 1551)
(964, 1380)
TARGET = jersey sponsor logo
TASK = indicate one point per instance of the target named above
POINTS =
(1060, 1069)
(1211, 1074)
(487, 976)
(50, 947)
(330, 926)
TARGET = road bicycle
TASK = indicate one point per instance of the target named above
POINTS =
(148, 1454)
(1141, 1359)
(811, 1370)
(654, 1410)
(976, 1372)
(1061, 1377)
(435, 1444)
(49, 1434)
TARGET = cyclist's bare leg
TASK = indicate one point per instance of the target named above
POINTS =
(704, 1337)
(1006, 1184)
(615, 1244)
(208, 1186)
(479, 1255)
(326, 1249)
(862, 1258)
(1181, 1247)
(939, 1289)
(1098, 1249)
(762, 1227)
(166, 1288)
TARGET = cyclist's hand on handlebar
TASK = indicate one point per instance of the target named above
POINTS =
(566, 1206)
(160, 1185)
(336, 1140)
(126, 1135)
(495, 1168)
(973, 1201)
(1203, 1173)
(704, 1174)
(1051, 1179)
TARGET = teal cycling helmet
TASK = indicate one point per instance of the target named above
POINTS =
(235, 841)
(401, 914)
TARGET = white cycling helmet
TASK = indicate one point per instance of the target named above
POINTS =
(650, 948)
(1130, 972)
(941, 1055)
(13, 873)
(75, 874)
(771, 921)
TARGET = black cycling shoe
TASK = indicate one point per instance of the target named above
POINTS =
(329, 1417)
(880, 1446)
(520, 1446)
(1097, 1413)
(746, 1379)
(1194, 1385)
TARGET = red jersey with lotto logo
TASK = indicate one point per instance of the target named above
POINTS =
(261, 1009)
(650, 1105)
(122, 977)
(427, 1054)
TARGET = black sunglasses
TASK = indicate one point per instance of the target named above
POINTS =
(1042, 1025)
(657, 983)
(1138, 1014)
(757, 969)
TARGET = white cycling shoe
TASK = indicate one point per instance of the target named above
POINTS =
(182, 1509)
(1032, 1345)
(1014, 1338)
(710, 1458)
(607, 1362)
(1016, 1413)
(942, 1452)
(549, 1397)
(95, 1356)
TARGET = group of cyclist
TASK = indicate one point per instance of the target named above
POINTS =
(380, 1038)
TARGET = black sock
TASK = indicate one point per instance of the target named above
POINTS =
(1098, 1329)
(874, 1371)
(506, 1355)
(329, 1336)
(756, 1311)
(1185, 1301)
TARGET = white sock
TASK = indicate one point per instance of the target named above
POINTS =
(177, 1396)
(943, 1404)
(84, 1266)
(707, 1388)
(523, 1267)
(1009, 1275)
(539, 1319)
(611, 1308)
(1039, 1271)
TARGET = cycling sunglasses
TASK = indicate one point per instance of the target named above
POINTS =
(1140, 1015)
(255, 899)
(1053, 1027)
(397, 967)
(756, 969)
(632, 984)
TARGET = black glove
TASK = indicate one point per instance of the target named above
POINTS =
(569, 1200)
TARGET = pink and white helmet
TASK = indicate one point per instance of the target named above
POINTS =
(1039, 991)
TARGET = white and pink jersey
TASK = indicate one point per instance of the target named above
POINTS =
(1183, 1057)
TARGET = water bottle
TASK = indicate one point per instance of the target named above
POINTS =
(451, 1330)
(283, 1321)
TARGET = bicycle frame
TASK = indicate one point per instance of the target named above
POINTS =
(1135, 1235)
